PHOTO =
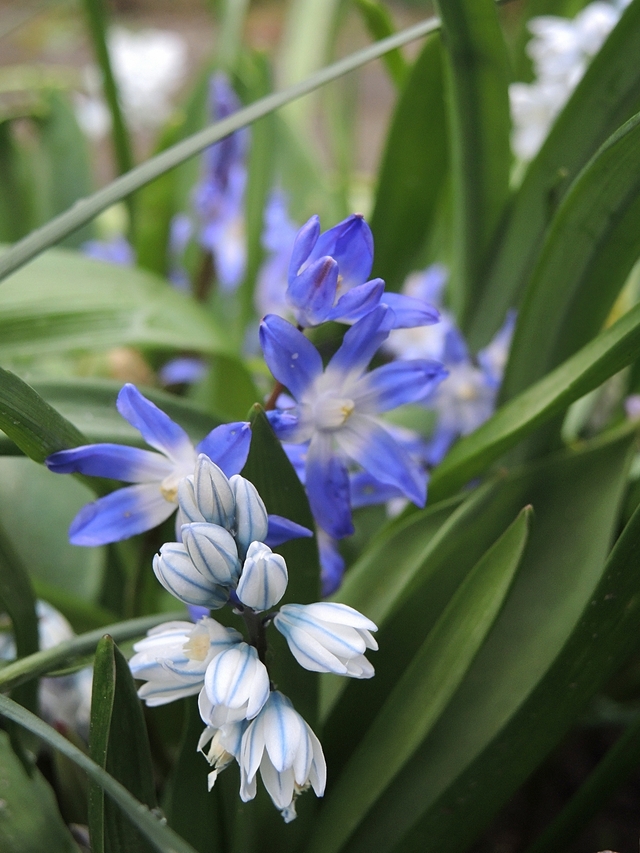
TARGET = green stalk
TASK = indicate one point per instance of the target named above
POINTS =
(42, 662)
(85, 210)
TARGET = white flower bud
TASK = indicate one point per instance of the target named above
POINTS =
(236, 686)
(211, 493)
(177, 573)
(251, 521)
(213, 551)
(264, 578)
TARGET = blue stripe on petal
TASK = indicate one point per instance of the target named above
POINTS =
(372, 447)
(362, 340)
(292, 358)
(228, 446)
(328, 488)
(115, 461)
(397, 383)
(120, 515)
(156, 427)
(410, 312)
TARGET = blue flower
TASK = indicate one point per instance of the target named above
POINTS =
(117, 250)
(219, 197)
(336, 410)
(328, 278)
(156, 476)
(278, 238)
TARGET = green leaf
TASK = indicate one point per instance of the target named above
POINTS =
(35, 426)
(228, 389)
(118, 742)
(413, 171)
(65, 301)
(17, 599)
(163, 839)
(576, 499)
(477, 75)
(612, 350)
(589, 250)
(192, 810)
(272, 474)
(607, 96)
(88, 208)
(380, 24)
(16, 188)
(423, 690)
(25, 828)
(66, 653)
(29, 492)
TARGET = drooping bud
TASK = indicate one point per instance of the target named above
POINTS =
(264, 578)
(236, 686)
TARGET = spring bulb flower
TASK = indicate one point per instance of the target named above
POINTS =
(155, 475)
(236, 686)
(264, 578)
(336, 411)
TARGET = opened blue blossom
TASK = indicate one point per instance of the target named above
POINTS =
(336, 411)
(155, 475)
(329, 278)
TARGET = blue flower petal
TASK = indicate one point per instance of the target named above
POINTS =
(438, 446)
(455, 347)
(120, 515)
(410, 312)
(358, 302)
(305, 240)
(115, 461)
(180, 371)
(285, 424)
(350, 242)
(157, 428)
(282, 530)
(332, 564)
(312, 293)
(372, 447)
(228, 446)
(367, 491)
(397, 383)
(328, 488)
(362, 340)
(292, 358)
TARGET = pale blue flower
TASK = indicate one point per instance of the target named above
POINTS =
(264, 578)
(156, 476)
(116, 250)
(236, 686)
(336, 411)
(328, 637)
(280, 744)
(278, 237)
(173, 658)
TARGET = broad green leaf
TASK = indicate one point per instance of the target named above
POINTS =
(612, 350)
(88, 208)
(65, 301)
(380, 24)
(44, 504)
(477, 78)
(163, 839)
(576, 499)
(607, 96)
(66, 653)
(192, 810)
(17, 600)
(413, 170)
(422, 692)
(16, 188)
(35, 426)
(30, 820)
(270, 471)
(118, 742)
(589, 250)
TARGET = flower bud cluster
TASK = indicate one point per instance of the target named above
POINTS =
(221, 559)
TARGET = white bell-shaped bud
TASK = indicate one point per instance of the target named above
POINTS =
(264, 578)
(251, 520)
(213, 551)
(178, 574)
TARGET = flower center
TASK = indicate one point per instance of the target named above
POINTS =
(467, 391)
(331, 413)
(169, 488)
(197, 646)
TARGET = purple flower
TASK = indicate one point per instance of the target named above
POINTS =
(117, 250)
(336, 408)
(155, 475)
(329, 278)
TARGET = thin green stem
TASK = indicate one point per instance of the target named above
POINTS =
(97, 22)
(85, 210)
(42, 662)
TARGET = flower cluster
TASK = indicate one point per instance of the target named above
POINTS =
(560, 50)
(222, 558)
(468, 396)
